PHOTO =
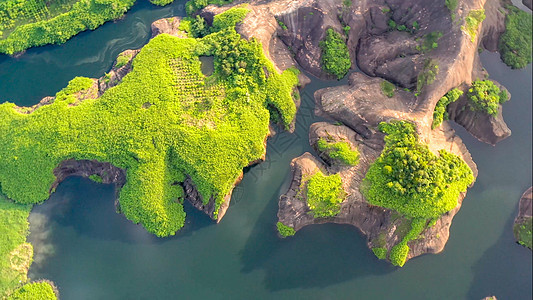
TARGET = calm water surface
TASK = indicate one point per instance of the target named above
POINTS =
(93, 253)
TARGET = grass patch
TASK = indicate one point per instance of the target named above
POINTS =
(387, 88)
(123, 60)
(340, 151)
(335, 54)
(15, 252)
(207, 128)
(95, 178)
(440, 114)
(485, 96)
(285, 230)
(522, 233)
(429, 42)
(473, 20)
(515, 42)
(192, 6)
(410, 179)
(324, 194)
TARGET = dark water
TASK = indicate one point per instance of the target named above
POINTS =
(93, 253)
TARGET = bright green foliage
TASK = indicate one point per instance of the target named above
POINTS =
(410, 179)
(335, 55)
(165, 120)
(515, 42)
(485, 96)
(399, 252)
(451, 5)
(95, 178)
(282, 25)
(285, 230)
(325, 194)
(193, 6)
(522, 232)
(427, 75)
(161, 2)
(15, 253)
(440, 114)
(341, 151)
(392, 24)
(473, 20)
(34, 291)
(387, 88)
(380, 252)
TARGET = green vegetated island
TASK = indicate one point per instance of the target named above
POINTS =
(30, 23)
(163, 122)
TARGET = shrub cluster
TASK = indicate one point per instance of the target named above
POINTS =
(398, 253)
(335, 54)
(207, 128)
(410, 179)
(485, 96)
(440, 114)
(429, 42)
(341, 151)
(285, 230)
(325, 194)
(473, 20)
(515, 42)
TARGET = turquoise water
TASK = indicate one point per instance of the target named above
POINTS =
(93, 253)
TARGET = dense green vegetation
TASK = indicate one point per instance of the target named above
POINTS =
(194, 5)
(340, 151)
(380, 252)
(335, 54)
(387, 88)
(410, 179)
(34, 291)
(285, 230)
(163, 122)
(440, 114)
(522, 232)
(515, 42)
(15, 253)
(95, 178)
(473, 20)
(325, 194)
(485, 96)
(30, 23)
(427, 75)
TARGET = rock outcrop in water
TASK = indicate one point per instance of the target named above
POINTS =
(381, 53)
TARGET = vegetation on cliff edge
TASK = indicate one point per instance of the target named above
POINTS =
(206, 128)
(285, 230)
(522, 232)
(41, 290)
(440, 114)
(484, 95)
(515, 42)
